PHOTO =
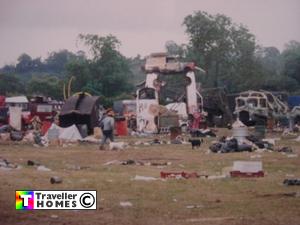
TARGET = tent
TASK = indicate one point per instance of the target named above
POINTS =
(68, 134)
(80, 110)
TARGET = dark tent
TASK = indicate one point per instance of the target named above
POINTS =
(80, 110)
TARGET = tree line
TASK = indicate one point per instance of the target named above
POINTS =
(227, 51)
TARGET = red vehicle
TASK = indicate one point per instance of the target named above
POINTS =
(38, 106)
(44, 109)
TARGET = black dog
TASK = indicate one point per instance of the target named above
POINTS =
(196, 142)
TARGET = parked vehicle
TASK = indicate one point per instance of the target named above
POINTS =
(163, 63)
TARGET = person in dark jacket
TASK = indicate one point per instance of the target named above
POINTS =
(107, 125)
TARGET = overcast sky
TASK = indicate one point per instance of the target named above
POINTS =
(38, 27)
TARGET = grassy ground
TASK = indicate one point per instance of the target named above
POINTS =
(193, 201)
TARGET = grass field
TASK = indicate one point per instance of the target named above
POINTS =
(173, 201)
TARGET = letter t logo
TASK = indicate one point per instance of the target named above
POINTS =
(25, 199)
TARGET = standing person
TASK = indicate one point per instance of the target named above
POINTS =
(107, 125)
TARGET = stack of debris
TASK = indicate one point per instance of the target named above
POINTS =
(6, 165)
(241, 141)
(225, 145)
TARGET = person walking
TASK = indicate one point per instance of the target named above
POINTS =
(107, 125)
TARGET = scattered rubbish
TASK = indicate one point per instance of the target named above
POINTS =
(255, 156)
(287, 135)
(43, 168)
(144, 178)
(297, 139)
(56, 180)
(155, 142)
(179, 175)
(126, 204)
(16, 135)
(226, 145)
(290, 194)
(160, 163)
(247, 169)
(291, 182)
(6, 165)
(290, 175)
(131, 162)
(176, 142)
(210, 219)
(113, 162)
(215, 177)
(284, 149)
(117, 145)
(136, 162)
(292, 155)
(271, 140)
(194, 206)
(91, 139)
(39, 140)
(29, 137)
(261, 143)
(5, 129)
(5, 136)
(138, 143)
(32, 163)
(76, 167)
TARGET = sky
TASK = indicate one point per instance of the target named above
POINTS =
(38, 27)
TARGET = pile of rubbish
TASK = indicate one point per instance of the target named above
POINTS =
(226, 145)
(138, 163)
(6, 165)
(55, 135)
(241, 141)
(179, 175)
(38, 166)
(291, 182)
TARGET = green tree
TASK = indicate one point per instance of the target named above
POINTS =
(24, 63)
(174, 49)
(107, 74)
(56, 61)
(291, 60)
(225, 50)
(49, 86)
(10, 84)
(135, 65)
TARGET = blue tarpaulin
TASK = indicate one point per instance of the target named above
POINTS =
(294, 101)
